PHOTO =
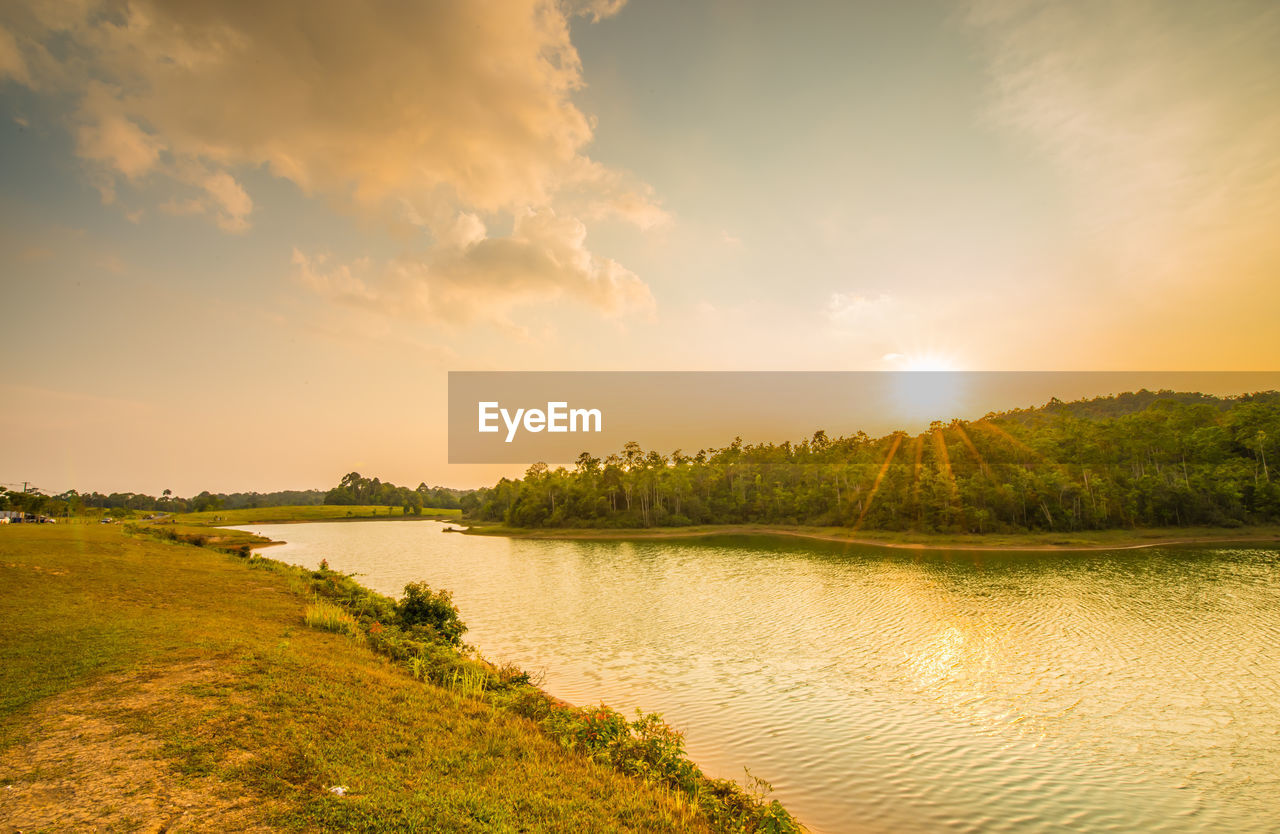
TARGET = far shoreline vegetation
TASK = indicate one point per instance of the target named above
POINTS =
(1104, 470)
(354, 496)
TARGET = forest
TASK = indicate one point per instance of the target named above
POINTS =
(1141, 459)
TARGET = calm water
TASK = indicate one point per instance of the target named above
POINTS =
(881, 691)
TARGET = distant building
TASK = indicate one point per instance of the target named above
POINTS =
(19, 517)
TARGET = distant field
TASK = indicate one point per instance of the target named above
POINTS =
(153, 686)
(281, 515)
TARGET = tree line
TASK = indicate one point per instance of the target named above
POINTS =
(72, 502)
(1134, 460)
(354, 489)
(351, 490)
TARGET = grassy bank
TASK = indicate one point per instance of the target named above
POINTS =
(211, 528)
(150, 684)
(1084, 540)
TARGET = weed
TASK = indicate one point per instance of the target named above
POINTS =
(469, 683)
(325, 615)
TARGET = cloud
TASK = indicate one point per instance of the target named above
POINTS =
(1160, 118)
(222, 196)
(400, 111)
(597, 10)
(849, 309)
(12, 64)
(115, 140)
(370, 100)
(472, 277)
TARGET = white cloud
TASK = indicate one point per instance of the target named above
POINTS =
(452, 116)
(849, 309)
(471, 277)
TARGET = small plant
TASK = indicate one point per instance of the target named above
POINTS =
(325, 615)
(470, 683)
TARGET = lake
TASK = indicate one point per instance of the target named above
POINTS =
(884, 690)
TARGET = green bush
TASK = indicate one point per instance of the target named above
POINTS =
(430, 614)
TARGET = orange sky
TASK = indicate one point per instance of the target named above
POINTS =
(242, 245)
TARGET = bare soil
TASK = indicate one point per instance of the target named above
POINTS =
(83, 768)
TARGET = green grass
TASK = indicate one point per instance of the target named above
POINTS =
(284, 515)
(278, 711)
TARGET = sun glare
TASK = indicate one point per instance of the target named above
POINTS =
(928, 362)
(935, 394)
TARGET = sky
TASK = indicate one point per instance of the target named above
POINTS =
(242, 244)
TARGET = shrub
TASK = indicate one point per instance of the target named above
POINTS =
(430, 614)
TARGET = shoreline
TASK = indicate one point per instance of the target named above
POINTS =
(235, 523)
(344, 519)
(273, 542)
(1078, 542)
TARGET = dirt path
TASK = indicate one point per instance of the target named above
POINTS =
(84, 769)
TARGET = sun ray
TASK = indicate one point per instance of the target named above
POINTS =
(944, 463)
(875, 487)
(1004, 435)
(917, 453)
(973, 450)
